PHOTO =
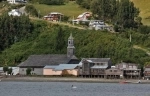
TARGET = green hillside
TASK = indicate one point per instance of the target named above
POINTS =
(69, 9)
(144, 6)
(51, 38)
(48, 38)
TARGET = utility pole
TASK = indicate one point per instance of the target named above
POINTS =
(39, 14)
(73, 21)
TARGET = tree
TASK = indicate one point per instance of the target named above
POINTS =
(126, 14)
(9, 70)
(60, 41)
(30, 9)
(28, 71)
(5, 68)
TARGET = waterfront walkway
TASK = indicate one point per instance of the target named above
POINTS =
(68, 79)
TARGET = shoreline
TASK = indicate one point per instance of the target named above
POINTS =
(68, 79)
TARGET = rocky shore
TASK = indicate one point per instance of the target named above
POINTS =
(67, 79)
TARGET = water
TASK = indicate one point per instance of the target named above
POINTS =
(65, 89)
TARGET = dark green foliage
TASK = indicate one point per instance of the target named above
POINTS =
(122, 13)
(5, 68)
(10, 71)
(49, 2)
(144, 29)
(17, 6)
(28, 71)
(59, 40)
(30, 9)
(65, 18)
(52, 2)
(13, 29)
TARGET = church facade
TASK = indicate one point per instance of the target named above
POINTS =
(38, 62)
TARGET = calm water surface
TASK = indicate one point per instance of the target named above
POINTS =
(65, 89)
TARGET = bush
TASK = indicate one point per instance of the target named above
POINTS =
(28, 71)
(30, 9)
(17, 6)
(9, 70)
(5, 68)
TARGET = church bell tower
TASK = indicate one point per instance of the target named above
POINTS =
(70, 48)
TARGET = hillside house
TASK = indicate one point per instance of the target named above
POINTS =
(98, 25)
(53, 16)
(16, 1)
(84, 17)
(38, 62)
(14, 12)
(95, 67)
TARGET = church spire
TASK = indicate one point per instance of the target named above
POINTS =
(70, 48)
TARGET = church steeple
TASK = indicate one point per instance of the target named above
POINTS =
(70, 48)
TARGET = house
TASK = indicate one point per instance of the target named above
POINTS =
(14, 12)
(53, 16)
(16, 1)
(95, 67)
(67, 69)
(48, 70)
(114, 73)
(130, 70)
(1, 71)
(98, 25)
(15, 70)
(147, 72)
(61, 69)
(38, 62)
(84, 17)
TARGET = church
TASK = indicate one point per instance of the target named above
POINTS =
(38, 62)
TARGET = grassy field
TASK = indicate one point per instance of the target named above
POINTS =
(144, 6)
(69, 9)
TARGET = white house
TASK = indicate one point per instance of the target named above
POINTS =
(14, 12)
(82, 17)
(16, 1)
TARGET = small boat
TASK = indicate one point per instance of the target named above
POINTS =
(124, 82)
(73, 86)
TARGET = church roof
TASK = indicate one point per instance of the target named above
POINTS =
(71, 37)
(43, 60)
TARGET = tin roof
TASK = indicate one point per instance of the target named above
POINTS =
(66, 66)
(147, 69)
(94, 60)
(99, 67)
(50, 67)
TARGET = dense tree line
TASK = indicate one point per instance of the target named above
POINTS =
(13, 29)
(122, 13)
(49, 2)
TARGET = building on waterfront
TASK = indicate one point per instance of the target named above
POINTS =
(114, 73)
(147, 72)
(61, 70)
(130, 70)
(94, 67)
(38, 62)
